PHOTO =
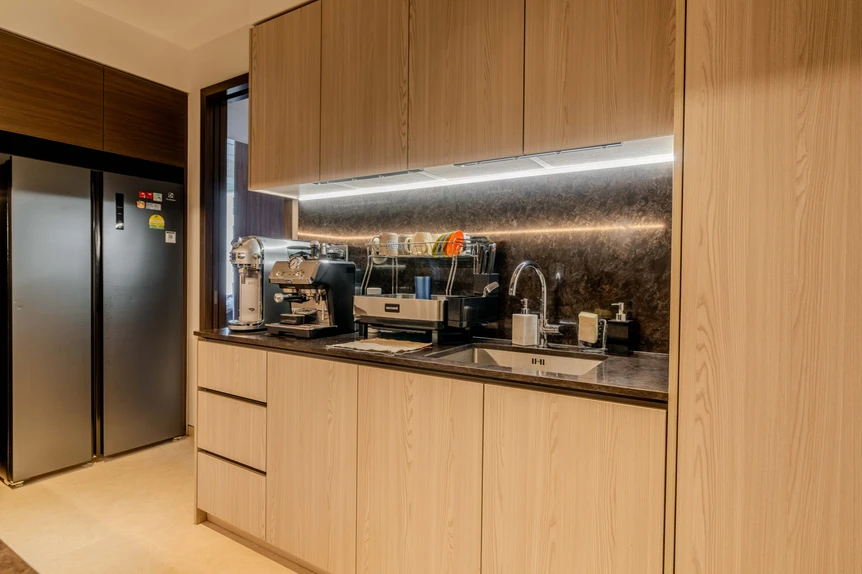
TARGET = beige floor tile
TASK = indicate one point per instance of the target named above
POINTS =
(128, 514)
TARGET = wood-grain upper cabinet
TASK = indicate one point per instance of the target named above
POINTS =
(284, 101)
(144, 120)
(363, 121)
(420, 469)
(466, 80)
(49, 94)
(311, 472)
(597, 72)
(571, 485)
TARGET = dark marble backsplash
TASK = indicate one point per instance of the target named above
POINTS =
(600, 237)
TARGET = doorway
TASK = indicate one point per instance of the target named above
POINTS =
(228, 209)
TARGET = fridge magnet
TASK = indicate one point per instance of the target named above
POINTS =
(157, 197)
(154, 206)
(145, 194)
(170, 236)
(157, 222)
(140, 204)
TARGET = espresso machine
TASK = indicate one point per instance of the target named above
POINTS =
(253, 258)
(316, 297)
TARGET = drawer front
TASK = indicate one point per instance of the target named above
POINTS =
(232, 428)
(232, 370)
(233, 494)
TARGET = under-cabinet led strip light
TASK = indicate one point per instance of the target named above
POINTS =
(610, 164)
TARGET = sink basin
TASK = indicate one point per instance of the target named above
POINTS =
(525, 360)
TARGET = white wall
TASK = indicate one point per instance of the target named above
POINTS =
(219, 60)
(75, 28)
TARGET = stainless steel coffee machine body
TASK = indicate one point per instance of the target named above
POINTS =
(253, 259)
(315, 295)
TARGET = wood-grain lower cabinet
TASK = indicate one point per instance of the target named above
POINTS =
(311, 456)
(233, 370)
(420, 474)
(571, 485)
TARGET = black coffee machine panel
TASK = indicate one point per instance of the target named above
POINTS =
(315, 298)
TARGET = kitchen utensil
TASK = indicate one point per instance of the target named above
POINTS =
(389, 244)
(492, 257)
(421, 243)
(454, 243)
(423, 286)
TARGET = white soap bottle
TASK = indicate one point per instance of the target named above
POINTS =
(525, 327)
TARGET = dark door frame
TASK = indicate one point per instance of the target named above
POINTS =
(213, 208)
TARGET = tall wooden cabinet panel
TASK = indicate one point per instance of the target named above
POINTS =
(144, 120)
(284, 100)
(769, 469)
(466, 80)
(420, 474)
(597, 72)
(363, 116)
(49, 94)
(311, 473)
(571, 485)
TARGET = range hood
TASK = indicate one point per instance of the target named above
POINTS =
(609, 156)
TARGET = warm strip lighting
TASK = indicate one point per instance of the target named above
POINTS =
(610, 164)
(499, 232)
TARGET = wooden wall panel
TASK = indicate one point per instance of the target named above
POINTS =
(145, 120)
(466, 80)
(363, 119)
(46, 93)
(770, 435)
(597, 72)
(258, 214)
(284, 107)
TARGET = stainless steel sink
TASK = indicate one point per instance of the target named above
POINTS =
(524, 360)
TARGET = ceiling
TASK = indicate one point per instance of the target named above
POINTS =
(189, 23)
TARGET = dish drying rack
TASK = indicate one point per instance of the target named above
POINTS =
(379, 255)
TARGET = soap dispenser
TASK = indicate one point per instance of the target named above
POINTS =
(623, 332)
(525, 326)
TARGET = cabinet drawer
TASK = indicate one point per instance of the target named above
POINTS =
(233, 494)
(232, 428)
(232, 370)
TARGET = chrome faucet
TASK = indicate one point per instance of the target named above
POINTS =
(545, 329)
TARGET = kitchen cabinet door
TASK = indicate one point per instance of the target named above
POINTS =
(571, 485)
(284, 101)
(466, 80)
(420, 474)
(49, 94)
(145, 120)
(311, 460)
(363, 116)
(597, 72)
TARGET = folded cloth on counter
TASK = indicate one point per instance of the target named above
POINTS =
(381, 346)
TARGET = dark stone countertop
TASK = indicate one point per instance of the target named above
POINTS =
(641, 376)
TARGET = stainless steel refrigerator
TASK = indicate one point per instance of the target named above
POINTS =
(94, 322)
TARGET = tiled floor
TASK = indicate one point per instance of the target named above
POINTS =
(125, 515)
